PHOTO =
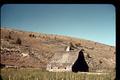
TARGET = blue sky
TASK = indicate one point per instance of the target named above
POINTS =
(94, 22)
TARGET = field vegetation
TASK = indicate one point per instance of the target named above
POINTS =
(37, 74)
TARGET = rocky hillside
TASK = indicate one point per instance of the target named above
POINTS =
(35, 50)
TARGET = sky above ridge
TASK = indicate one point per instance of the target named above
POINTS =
(94, 22)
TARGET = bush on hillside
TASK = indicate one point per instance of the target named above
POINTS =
(32, 35)
(19, 41)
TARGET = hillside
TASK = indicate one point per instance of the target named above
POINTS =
(36, 50)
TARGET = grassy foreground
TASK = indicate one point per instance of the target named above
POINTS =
(37, 74)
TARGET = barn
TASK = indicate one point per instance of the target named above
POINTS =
(68, 61)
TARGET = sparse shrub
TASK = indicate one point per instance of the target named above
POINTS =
(78, 44)
(9, 37)
(32, 35)
(72, 45)
(44, 36)
(8, 40)
(100, 61)
(55, 38)
(18, 41)
(92, 48)
(6, 37)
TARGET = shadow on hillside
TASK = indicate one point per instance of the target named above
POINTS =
(80, 64)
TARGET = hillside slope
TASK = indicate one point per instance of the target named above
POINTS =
(35, 50)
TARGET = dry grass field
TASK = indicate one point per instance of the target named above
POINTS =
(37, 74)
